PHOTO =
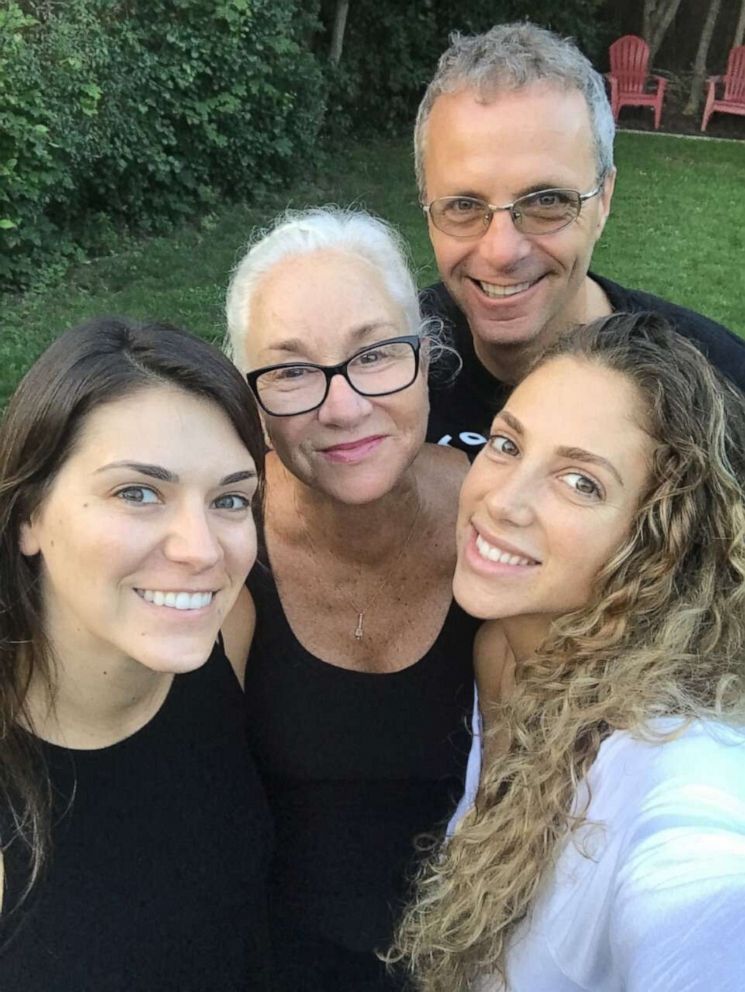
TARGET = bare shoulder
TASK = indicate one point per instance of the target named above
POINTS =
(238, 630)
(493, 663)
(443, 469)
(444, 458)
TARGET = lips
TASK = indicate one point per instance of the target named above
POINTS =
(176, 600)
(504, 291)
(494, 552)
(497, 555)
(349, 452)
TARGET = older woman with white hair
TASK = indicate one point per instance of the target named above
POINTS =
(360, 674)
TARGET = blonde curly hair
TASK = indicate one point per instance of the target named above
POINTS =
(663, 634)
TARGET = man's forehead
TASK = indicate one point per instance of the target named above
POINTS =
(486, 128)
(497, 98)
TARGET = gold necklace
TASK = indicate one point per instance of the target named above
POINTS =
(359, 630)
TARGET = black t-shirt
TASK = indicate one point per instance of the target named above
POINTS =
(160, 849)
(356, 765)
(461, 410)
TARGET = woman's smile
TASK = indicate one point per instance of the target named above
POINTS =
(552, 495)
(181, 600)
(351, 452)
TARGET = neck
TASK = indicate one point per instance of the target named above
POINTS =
(509, 362)
(525, 635)
(94, 701)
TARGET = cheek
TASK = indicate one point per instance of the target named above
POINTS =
(585, 549)
(290, 433)
(414, 405)
(475, 487)
(242, 547)
(448, 251)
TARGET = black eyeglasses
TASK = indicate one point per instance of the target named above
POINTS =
(299, 387)
(544, 212)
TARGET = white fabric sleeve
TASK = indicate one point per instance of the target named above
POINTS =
(678, 917)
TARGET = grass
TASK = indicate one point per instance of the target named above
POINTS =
(677, 229)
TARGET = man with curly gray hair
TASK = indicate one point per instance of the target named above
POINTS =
(514, 162)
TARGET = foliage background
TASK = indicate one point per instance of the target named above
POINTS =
(128, 116)
(391, 49)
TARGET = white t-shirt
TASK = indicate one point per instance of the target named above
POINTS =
(656, 903)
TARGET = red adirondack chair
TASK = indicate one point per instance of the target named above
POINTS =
(733, 101)
(628, 77)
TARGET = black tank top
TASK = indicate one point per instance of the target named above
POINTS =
(157, 876)
(356, 766)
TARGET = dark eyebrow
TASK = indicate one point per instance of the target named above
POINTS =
(295, 345)
(527, 191)
(154, 471)
(238, 477)
(541, 188)
(580, 455)
(511, 421)
(164, 475)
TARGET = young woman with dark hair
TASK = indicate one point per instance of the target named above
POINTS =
(133, 827)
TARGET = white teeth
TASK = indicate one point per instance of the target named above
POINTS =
(492, 553)
(497, 292)
(177, 600)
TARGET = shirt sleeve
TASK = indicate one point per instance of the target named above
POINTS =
(678, 916)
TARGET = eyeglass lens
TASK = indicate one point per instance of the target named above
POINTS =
(376, 371)
(537, 213)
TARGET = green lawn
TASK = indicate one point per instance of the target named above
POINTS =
(677, 229)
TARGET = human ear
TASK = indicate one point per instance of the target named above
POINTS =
(28, 540)
(265, 430)
(605, 198)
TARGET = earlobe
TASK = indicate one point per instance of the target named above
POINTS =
(28, 542)
(265, 431)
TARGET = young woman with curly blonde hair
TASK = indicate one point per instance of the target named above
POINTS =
(602, 531)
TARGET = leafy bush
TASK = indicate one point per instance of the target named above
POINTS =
(391, 50)
(136, 113)
(122, 116)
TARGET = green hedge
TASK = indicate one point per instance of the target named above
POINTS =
(121, 116)
(391, 48)
(131, 115)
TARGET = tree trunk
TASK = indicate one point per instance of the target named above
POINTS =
(699, 66)
(340, 23)
(657, 18)
(740, 29)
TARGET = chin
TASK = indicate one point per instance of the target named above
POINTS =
(177, 661)
(474, 601)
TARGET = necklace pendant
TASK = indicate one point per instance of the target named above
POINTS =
(359, 630)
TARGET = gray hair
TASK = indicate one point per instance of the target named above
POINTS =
(510, 57)
(301, 232)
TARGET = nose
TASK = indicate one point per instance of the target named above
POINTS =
(343, 407)
(191, 539)
(511, 499)
(502, 246)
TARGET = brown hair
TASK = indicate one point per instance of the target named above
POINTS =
(100, 362)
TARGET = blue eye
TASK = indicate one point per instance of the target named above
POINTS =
(503, 445)
(232, 501)
(583, 485)
(138, 494)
